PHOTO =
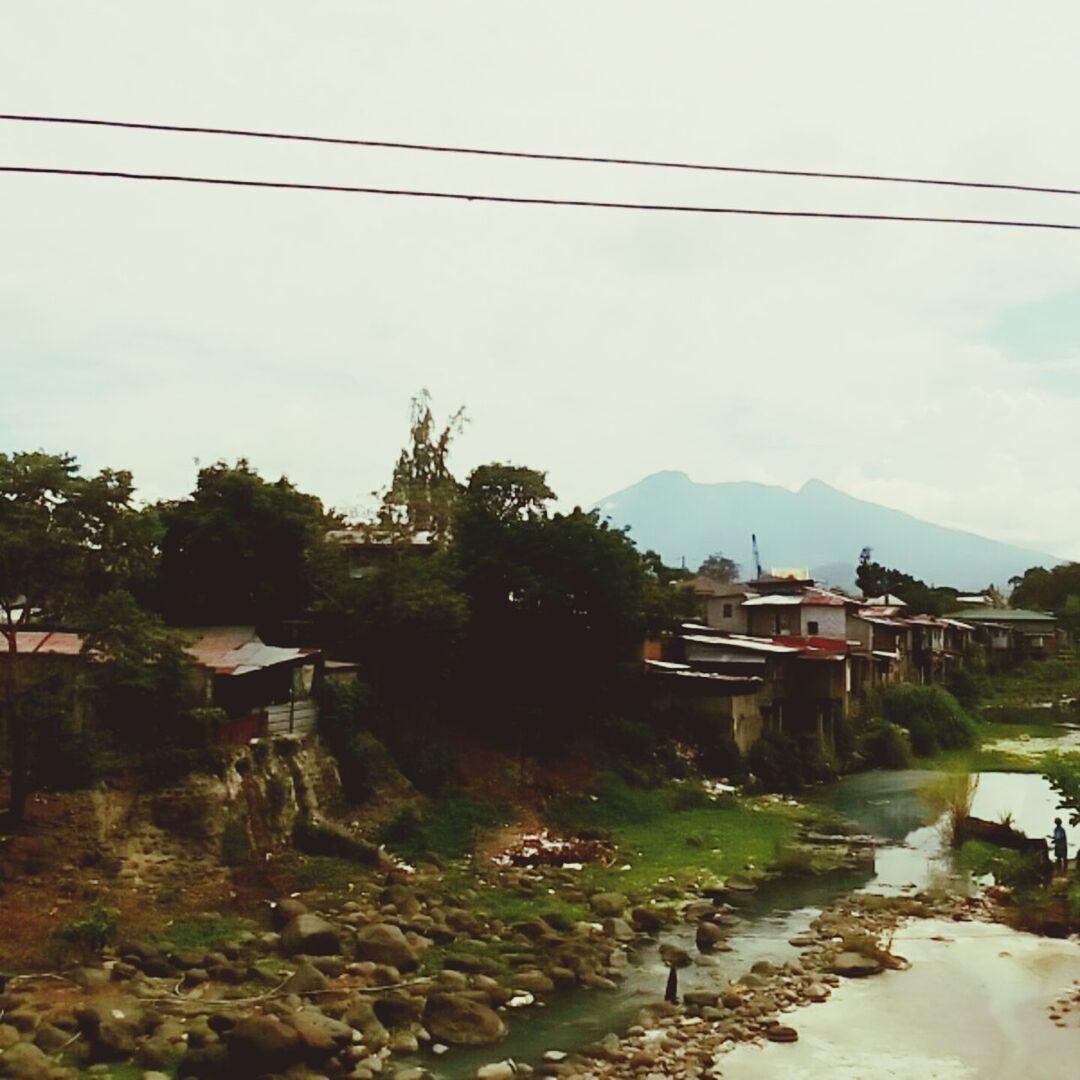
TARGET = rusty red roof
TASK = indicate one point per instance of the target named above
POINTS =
(45, 643)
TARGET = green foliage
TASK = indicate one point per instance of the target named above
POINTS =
(345, 711)
(423, 493)
(1013, 869)
(874, 579)
(720, 568)
(432, 767)
(235, 846)
(508, 492)
(448, 829)
(1056, 590)
(239, 549)
(778, 762)
(968, 687)
(885, 746)
(1063, 772)
(207, 931)
(931, 715)
(91, 932)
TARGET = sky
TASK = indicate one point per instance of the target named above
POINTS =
(932, 368)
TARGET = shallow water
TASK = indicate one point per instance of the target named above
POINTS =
(888, 806)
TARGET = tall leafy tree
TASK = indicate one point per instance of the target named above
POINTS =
(64, 538)
(423, 492)
(239, 549)
(720, 568)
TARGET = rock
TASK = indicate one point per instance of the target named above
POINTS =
(701, 998)
(50, 1038)
(608, 904)
(397, 1009)
(763, 967)
(25, 1061)
(535, 982)
(619, 929)
(707, 936)
(383, 943)
(646, 921)
(815, 992)
(320, 1036)
(9, 1036)
(286, 910)
(497, 1070)
(310, 934)
(361, 1016)
(675, 957)
(263, 1043)
(853, 965)
(781, 1033)
(115, 1040)
(306, 979)
(456, 1019)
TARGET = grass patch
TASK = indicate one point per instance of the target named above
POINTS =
(324, 873)
(985, 758)
(446, 829)
(208, 932)
(662, 833)
(510, 906)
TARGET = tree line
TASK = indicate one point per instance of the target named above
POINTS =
(508, 620)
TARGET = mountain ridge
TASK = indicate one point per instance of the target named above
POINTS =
(817, 526)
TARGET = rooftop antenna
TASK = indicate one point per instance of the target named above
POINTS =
(757, 556)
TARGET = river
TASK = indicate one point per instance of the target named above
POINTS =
(974, 1006)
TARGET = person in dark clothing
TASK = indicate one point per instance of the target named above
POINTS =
(1061, 847)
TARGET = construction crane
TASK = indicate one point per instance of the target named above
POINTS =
(757, 556)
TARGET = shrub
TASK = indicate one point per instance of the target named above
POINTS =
(1013, 869)
(885, 746)
(433, 768)
(447, 831)
(967, 687)
(689, 796)
(90, 933)
(777, 762)
(235, 846)
(721, 756)
(169, 764)
(362, 760)
(932, 716)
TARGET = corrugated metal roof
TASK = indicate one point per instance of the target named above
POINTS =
(748, 644)
(774, 600)
(1004, 615)
(45, 643)
(238, 650)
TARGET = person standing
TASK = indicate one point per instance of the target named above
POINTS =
(1061, 847)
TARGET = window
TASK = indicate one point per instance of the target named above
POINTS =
(812, 627)
(728, 609)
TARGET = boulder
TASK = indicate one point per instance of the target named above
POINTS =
(263, 1043)
(310, 934)
(608, 904)
(25, 1061)
(306, 979)
(320, 1036)
(383, 943)
(781, 1033)
(853, 965)
(461, 1021)
(284, 911)
(707, 936)
(646, 921)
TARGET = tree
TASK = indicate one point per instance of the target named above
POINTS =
(719, 568)
(509, 492)
(423, 493)
(63, 538)
(1063, 772)
(239, 549)
(873, 579)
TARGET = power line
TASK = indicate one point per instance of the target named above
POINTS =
(383, 144)
(532, 201)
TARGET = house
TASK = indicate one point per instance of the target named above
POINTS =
(369, 550)
(263, 689)
(720, 602)
(1035, 633)
(812, 613)
(880, 649)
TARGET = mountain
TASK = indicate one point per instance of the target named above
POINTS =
(816, 527)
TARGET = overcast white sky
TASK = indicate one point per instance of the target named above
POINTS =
(935, 369)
